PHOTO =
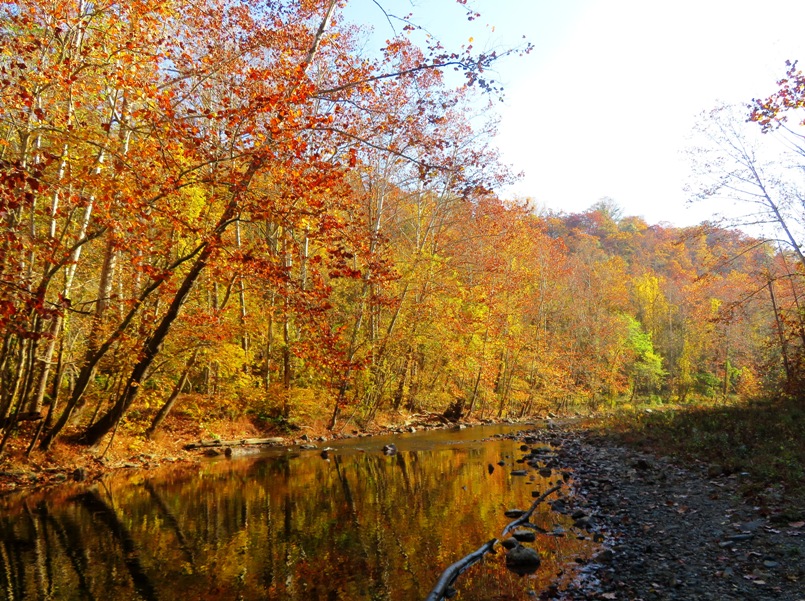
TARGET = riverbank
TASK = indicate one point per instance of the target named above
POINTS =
(679, 519)
(129, 450)
(676, 531)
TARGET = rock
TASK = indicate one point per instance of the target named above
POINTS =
(522, 560)
(490, 468)
(642, 464)
(605, 556)
(582, 523)
(525, 536)
(308, 447)
(545, 472)
(242, 451)
(753, 525)
(79, 474)
(514, 513)
(523, 556)
(519, 472)
(390, 449)
(509, 543)
(501, 463)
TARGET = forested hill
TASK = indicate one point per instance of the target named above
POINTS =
(237, 213)
(698, 300)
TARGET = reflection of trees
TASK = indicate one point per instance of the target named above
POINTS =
(360, 526)
(103, 513)
(72, 543)
(12, 569)
(172, 521)
(33, 552)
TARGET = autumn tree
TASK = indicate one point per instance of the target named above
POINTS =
(158, 168)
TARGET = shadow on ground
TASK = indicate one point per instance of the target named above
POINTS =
(762, 441)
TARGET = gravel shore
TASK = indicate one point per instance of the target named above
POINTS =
(673, 531)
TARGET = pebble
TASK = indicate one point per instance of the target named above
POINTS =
(666, 528)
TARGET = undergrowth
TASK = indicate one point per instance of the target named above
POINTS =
(763, 440)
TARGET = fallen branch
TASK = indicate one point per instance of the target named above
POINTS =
(451, 574)
(527, 515)
(427, 416)
(243, 442)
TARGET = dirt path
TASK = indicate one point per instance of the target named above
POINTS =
(676, 532)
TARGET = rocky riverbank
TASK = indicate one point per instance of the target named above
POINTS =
(184, 441)
(676, 532)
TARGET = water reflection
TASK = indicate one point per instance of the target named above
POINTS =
(358, 525)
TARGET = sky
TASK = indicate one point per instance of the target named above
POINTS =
(604, 105)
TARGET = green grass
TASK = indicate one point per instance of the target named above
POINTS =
(764, 439)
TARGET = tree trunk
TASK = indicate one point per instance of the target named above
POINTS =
(9, 421)
(166, 408)
(781, 335)
(398, 395)
(244, 336)
(149, 351)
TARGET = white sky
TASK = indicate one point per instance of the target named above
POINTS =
(603, 105)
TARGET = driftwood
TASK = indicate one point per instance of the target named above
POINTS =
(527, 515)
(418, 419)
(452, 573)
(243, 442)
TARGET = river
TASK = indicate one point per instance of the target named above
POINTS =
(289, 525)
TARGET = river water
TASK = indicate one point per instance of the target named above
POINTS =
(289, 525)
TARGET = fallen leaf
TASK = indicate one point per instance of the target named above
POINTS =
(796, 524)
(609, 596)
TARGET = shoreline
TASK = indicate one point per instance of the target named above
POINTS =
(672, 531)
(71, 463)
